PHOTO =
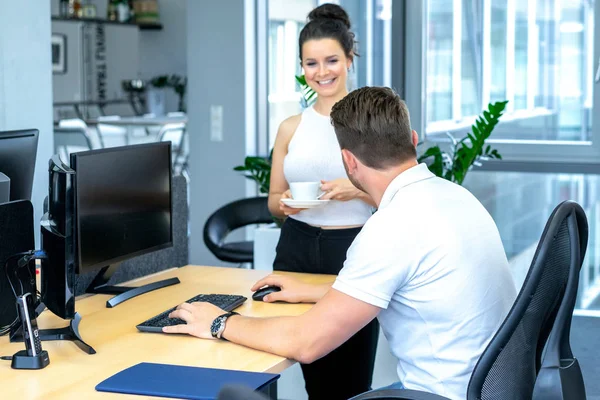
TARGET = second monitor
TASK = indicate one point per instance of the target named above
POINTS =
(122, 209)
(18, 151)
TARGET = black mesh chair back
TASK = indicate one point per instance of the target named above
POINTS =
(238, 392)
(560, 376)
(509, 366)
(249, 211)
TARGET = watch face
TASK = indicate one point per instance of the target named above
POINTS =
(215, 326)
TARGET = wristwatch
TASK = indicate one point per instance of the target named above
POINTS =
(218, 325)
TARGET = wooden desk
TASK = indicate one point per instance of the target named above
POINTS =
(73, 374)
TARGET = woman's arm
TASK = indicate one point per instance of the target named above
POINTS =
(342, 189)
(278, 185)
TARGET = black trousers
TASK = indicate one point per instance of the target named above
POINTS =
(348, 370)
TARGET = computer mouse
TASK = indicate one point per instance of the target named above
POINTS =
(260, 293)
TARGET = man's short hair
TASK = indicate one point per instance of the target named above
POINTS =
(374, 124)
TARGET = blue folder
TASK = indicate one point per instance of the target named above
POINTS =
(180, 382)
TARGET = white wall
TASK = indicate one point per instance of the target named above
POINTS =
(26, 82)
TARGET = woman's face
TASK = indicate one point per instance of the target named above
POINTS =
(325, 66)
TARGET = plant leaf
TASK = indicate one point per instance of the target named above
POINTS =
(437, 166)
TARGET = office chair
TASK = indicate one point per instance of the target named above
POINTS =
(509, 366)
(239, 213)
(560, 376)
(238, 392)
(112, 135)
(69, 140)
(93, 134)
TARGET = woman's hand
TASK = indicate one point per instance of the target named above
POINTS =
(286, 209)
(340, 189)
(292, 290)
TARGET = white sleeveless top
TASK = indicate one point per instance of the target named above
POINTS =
(313, 155)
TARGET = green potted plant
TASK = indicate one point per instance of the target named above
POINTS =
(176, 82)
(468, 151)
(257, 169)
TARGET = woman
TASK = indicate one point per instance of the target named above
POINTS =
(316, 240)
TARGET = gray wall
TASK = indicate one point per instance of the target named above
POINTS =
(216, 73)
(164, 52)
(26, 82)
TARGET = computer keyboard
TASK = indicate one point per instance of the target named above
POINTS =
(227, 302)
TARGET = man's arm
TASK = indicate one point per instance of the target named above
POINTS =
(305, 338)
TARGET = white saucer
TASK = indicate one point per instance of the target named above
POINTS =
(304, 203)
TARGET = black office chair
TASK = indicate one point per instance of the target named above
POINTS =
(560, 376)
(237, 214)
(239, 392)
(509, 366)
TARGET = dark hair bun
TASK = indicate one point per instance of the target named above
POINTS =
(330, 11)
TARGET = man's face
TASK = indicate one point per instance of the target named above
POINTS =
(355, 182)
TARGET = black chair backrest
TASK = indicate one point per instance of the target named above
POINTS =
(238, 392)
(509, 366)
(239, 213)
(560, 375)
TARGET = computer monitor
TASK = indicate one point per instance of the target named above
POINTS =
(122, 203)
(109, 206)
(18, 150)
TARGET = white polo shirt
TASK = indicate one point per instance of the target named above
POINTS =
(431, 257)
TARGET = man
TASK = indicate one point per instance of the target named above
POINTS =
(429, 264)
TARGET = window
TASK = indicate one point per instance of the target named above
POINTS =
(521, 203)
(537, 54)
(286, 19)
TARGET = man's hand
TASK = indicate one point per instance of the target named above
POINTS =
(198, 317)
(292, 290)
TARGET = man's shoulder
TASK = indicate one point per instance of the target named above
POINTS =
(387, 225)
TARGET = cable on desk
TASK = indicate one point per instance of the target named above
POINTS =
(23, 259)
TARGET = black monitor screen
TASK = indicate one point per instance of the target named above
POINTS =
(122, 203)
(18, 151)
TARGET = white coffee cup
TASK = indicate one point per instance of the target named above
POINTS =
(305, 190)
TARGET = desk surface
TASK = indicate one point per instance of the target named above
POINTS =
(72, 374)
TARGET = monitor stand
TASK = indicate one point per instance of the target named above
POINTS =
(100, 286)
(70, 332)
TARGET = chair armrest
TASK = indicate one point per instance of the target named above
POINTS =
(238, 392)
(398, 394)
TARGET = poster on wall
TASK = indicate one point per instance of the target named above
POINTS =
(59, 53)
